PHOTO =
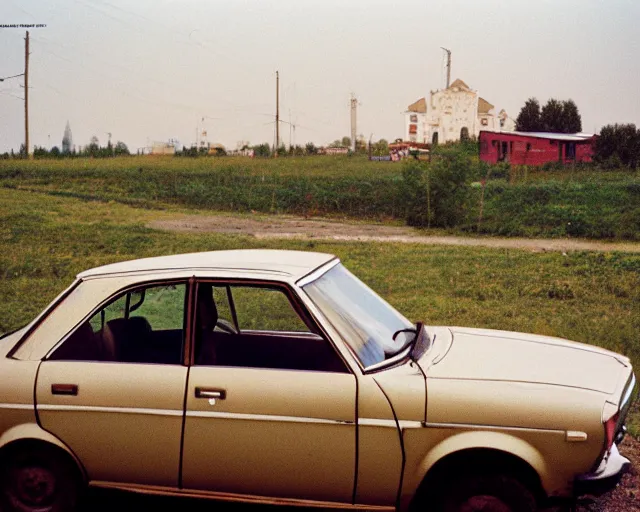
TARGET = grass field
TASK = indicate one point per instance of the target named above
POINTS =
(590, 297)
(518, 202)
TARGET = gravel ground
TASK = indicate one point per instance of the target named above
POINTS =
(286, 226)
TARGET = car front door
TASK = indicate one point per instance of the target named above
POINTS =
(271, 406)
(113, 390)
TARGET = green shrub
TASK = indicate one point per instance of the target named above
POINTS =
(436, 194)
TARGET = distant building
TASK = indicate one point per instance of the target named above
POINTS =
(216, 149)
(67, 139)
(163, 148)
(535, 148)
(452, 114)
(334, 151)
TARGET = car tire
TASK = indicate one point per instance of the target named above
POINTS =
(487, 493)
(37, 478)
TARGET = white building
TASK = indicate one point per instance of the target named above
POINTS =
(451, 114)
(163, 148)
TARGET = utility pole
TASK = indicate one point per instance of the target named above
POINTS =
(448, 66)
(290, 127)
(26, 95)
(277, 113)
(354, 107)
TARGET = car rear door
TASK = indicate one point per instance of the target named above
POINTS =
(113, 391)
(270, 407)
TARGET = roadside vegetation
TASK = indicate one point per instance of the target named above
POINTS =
(454, 191)
(590, 297)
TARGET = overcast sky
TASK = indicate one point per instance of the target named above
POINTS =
(150, 70)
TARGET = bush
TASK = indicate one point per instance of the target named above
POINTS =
(436, 194)
(618, 143)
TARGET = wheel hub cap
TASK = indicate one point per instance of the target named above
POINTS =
(34, 485)
(484, 504)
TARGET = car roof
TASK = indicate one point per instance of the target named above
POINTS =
(293, 264)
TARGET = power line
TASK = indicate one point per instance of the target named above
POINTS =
(165, 28)
(13, 76)
(11, 94)
(139, 97)
(128, 71)
(21, 9)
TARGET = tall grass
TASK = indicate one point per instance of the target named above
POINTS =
(575, 202)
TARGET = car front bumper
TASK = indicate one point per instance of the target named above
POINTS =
(605, 478)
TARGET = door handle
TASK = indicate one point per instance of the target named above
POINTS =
(64, 389)
(215, 394)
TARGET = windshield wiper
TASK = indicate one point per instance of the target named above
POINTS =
(413, 330)
(421, 343)
(395, 334)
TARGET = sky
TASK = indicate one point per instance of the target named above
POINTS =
(154, 70)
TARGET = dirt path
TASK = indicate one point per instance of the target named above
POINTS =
(278, 226)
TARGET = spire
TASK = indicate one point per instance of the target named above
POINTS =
(67, 139)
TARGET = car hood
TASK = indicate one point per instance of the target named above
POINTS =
(489, 355)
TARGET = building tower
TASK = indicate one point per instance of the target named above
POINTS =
(67, 139)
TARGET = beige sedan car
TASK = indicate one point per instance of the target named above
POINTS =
(279, 377)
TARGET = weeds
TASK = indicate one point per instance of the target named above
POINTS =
(517, 201)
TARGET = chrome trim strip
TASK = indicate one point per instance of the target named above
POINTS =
(187, 270)
(576, 436)
(238, 498)
(391, 361)
(629, 392)
(115, 410)
(316, 274)
(264, 417)
(21, 407)
(371, 422)
(492, 427)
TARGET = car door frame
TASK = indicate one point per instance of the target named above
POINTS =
(308, 318)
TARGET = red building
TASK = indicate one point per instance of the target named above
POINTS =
(535, 148)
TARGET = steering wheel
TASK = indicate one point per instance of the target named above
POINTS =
(225, 326)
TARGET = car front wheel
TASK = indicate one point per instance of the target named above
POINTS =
(37, 479)
(490, 493)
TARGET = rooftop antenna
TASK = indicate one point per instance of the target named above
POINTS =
(448, 65)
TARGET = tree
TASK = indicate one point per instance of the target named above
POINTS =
(346, 142)
(556, 117)
(618, 144)
(262, 150)
(571, 120)
(552, 117)
(381, 147)
(529, 117)
(93, 148)
(121, 148)
(310, 148)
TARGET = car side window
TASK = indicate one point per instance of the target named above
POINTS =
(144, 325)
(257, 327)
(265, 309)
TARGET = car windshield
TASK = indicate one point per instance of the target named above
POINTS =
(365, 320)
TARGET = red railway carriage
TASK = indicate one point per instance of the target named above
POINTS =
(535, 148)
